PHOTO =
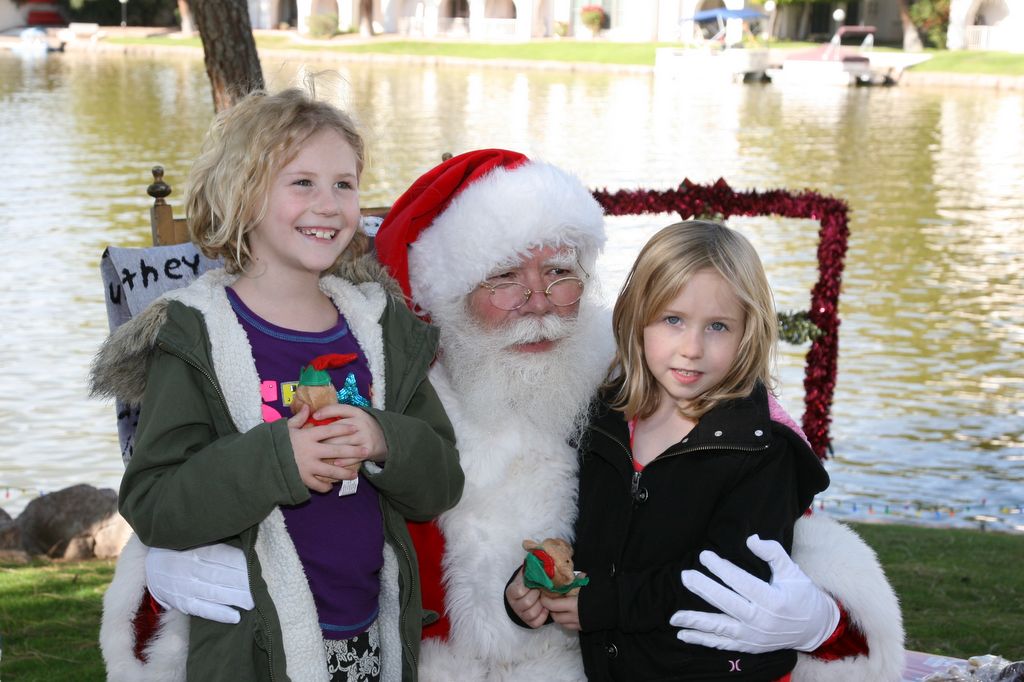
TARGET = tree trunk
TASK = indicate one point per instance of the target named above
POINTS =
(229, 48)
(911, 38)
(186, 18)
(366, 17)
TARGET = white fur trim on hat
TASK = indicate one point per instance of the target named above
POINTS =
(498, 217)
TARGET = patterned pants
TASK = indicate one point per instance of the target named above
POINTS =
(356, 659)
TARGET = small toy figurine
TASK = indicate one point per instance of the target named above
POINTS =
(548, 567)
(316, 390)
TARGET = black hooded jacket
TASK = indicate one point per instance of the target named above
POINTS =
(735, 474)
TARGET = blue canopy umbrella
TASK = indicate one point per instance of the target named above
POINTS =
(720, 14)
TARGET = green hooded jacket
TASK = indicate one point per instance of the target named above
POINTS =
(206, 468)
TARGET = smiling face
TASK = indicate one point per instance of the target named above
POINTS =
(312, 210)
(693, 343)
(540, 267)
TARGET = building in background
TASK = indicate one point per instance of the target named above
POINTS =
(973, 24)
(986, 25)
(627, 20)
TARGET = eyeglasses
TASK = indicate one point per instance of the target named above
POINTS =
(513, 295)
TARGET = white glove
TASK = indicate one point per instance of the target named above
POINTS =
(206, 581)
(790, 612)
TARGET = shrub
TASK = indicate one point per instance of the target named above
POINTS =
(323, 25)
(592, 17)
(931, 17)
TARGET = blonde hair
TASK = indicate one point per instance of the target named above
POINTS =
(229, 184)
(665, 265)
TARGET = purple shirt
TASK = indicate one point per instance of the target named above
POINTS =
(340, 540)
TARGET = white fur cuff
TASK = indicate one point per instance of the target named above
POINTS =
(166, 654)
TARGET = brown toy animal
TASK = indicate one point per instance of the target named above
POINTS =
(549, 568)
(316, 390)
(316, 397)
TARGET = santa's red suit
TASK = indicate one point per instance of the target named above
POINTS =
(455, 225)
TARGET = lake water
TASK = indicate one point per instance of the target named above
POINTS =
(927, 417)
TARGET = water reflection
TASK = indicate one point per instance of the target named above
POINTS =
(928, 405)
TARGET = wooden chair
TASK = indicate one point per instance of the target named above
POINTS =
(166, 228)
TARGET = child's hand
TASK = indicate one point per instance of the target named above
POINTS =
(564, 610)
(314, 455)
(364, 438)
(526, 602)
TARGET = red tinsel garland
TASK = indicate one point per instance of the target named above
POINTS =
(691, 199)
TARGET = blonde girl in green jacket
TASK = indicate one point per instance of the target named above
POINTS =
(275, 194)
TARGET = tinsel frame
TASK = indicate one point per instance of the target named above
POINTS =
(691, 199)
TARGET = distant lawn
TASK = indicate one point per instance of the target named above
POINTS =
(573, 51)
(567, 51)
(540, 50)
(155, 40)
(962, 594)
(972, 62)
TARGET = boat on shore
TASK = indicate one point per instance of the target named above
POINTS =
(836, 63)
(707, 64)
(33, 42)
(718, 46)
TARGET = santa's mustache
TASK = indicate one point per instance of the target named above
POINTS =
(550, 327)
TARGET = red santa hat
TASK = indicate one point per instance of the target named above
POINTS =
(478, 210)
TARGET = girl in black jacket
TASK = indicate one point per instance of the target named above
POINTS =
(682, 456)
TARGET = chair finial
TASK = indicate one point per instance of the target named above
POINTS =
(159, 189)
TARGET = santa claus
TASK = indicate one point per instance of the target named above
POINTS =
(484, 232)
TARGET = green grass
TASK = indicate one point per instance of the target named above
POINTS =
(554, 51)
(995, 63)
(558, 51)
(590, 52)
(49, 620)
(962, 593)
(155, 40)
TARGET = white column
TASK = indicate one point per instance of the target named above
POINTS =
(303, 8)
(1013, 27)
(543, 19)
(389, 14)
(346, 15)
(477, 17)
(524, 19)
(431, 13)
(259, 14)
(958, 19)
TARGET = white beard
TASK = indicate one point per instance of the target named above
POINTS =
(513, 413)
(548, 391)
